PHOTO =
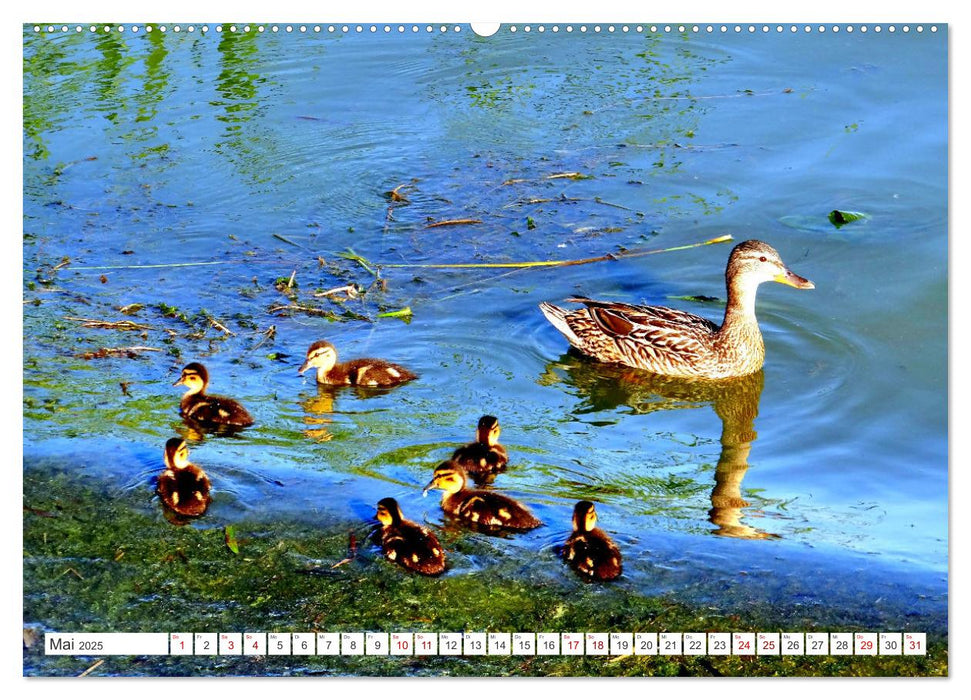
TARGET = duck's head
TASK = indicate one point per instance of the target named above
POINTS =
(755, 262)
(194, 376)
(322, 355)
(584, 517)
(449, 477)
(488, 430)
(176, 453)
(389, 512)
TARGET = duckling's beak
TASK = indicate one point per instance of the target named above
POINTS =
(428, 487)
(304, 367)
(178, 381)
(793, 280)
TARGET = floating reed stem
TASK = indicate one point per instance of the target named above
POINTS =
(561, 263)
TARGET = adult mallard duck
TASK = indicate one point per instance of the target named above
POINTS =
(406, 543)
(676, 343)
(485, 456)
(485, 510)
(365, 372)
(183, 487)
(589, 551)
(209, 412)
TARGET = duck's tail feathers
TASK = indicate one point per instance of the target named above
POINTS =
(557, 316)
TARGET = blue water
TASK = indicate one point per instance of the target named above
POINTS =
(257, 157)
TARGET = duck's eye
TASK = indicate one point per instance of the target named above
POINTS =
(763, 259)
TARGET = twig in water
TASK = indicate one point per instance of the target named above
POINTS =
(350, 290)
(110, 325)
(563, 263)
(219, 327)
(564, 198)
(287, 240)
(351, 551)
(312, 310)
(130, 352)
(453, 222)
(90, 668)
(554, 176)
(269, 334)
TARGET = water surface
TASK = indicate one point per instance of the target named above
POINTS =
(195, 175)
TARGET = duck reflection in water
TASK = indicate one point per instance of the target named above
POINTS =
(319, 407)
(735, 401)
(319, 411)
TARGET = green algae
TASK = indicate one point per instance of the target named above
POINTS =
(100, 559)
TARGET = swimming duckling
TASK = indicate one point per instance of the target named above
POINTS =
(364, 372)
(589, 550)
(486, 510)
(406, 543)
(208, 411)
(485, 456)
(676, 343)
(183, 487)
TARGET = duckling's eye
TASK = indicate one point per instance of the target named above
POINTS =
(763, 259)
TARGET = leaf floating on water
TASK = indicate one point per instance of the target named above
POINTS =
(349, 254)
(130, 309)
(230, 533)
(404, 314)
(396, 195)
(840, 217)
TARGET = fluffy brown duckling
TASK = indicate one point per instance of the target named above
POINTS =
(589, 551)
(365, 372)
(208, 411)
(406, 543)
(183, 487)
(485, 456)
(486, 510)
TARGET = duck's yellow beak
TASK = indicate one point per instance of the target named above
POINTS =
(793, 280)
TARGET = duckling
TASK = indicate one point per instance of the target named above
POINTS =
(486, 510)
(406, 543)
(365, 372)
(589, 550)
(676, 343)
(183, 487)
(485, 456)
(208, 411)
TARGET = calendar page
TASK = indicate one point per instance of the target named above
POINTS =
(524, 349)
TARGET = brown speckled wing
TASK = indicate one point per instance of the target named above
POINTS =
(414, 548)
(477, 458)
(654, 338)
(216, 410)
(593, 555)
(493, 511)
